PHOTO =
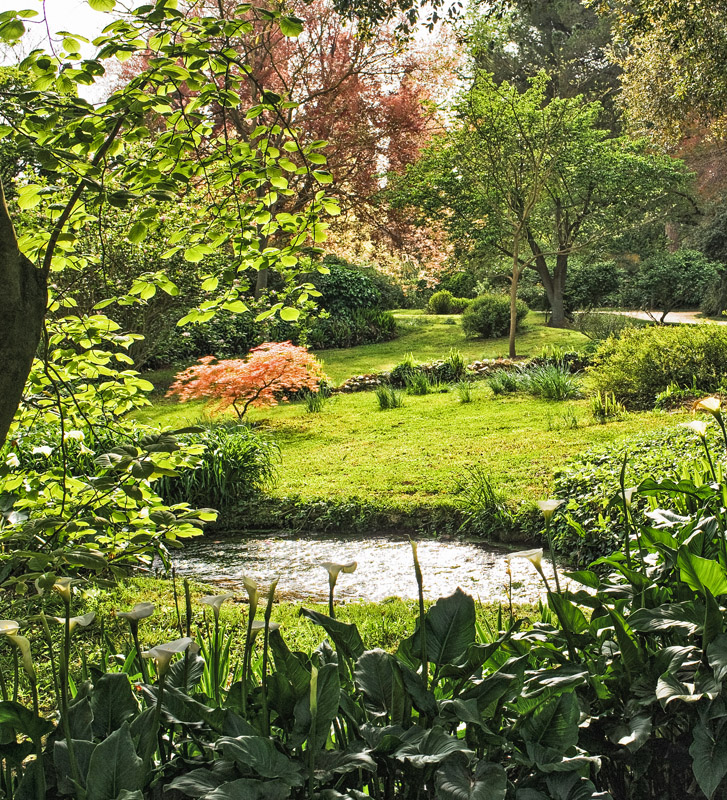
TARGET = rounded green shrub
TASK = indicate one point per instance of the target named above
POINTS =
(643, 362)
(489, 316)
(440, 302)
(460, 304)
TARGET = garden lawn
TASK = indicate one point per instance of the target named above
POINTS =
(415, 455)
(430, 336)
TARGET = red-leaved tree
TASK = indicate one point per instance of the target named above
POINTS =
(267, 376)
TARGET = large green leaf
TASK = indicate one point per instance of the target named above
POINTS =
(628, 644)
(553, 727)
(670, 688)
(570, 616)
(450, 629)
(112, 703)
(685, 618)
(345, 636)
(717, 656)
(456, 782)
(289, 664)
(249, 789)
(15, 718)
(328, 691)
(202, 781)
(709, 755)
(83, 750)
(422, 749)
(375, 677)
(259, 755)
(701, 573)
(114, 766)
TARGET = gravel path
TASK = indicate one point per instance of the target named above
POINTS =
(683, 317)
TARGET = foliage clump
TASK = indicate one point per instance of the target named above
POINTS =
(489, 316)
(643, 362)
(272, 372)
(444, 302)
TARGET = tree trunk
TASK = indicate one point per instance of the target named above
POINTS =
(261, 284)
(557, 316)
(513, 296)
(23, 312)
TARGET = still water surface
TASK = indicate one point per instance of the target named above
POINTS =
(385, 567)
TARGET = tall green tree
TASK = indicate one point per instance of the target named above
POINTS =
(536, 181)
(515, 39)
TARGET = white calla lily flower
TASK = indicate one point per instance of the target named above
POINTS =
(9, 627)
(216, 601)
(73, 622)
(252, 593)
(139, 611)
(259, 625)
(549, 507)
(63, 587)
(628, 494)
(713, 405)
(334, 570)
(535, 557)
(699, 426)
(164, 653)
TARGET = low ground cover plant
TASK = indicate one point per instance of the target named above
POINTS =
(388, 397)
(553, 381)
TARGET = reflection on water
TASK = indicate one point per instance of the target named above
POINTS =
(384, 567)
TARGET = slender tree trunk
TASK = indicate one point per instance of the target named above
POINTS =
(557, 316)
(261, 284)
(513, 294)
(21, 318)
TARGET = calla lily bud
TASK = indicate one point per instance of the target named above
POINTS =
(63, 587)
(549, 507)
(216, 601)
(699, 426)
(712, 405)
(252, 594)
(139, 611)
(24, 646)
(163, 653)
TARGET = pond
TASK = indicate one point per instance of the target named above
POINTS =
(385, 567)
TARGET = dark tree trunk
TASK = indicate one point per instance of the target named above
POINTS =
(261, 284)
(22, 313)
(557, 316)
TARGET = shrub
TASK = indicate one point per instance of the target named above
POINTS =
(645, 361)
(389, 397)
(489, 316)
(460, 304)
(271, 373)
(504, 382)
(236, 463)
(349, 329)
(592, 284)
(552, 381)
(599, 326)
(401, 373)
(440, 302)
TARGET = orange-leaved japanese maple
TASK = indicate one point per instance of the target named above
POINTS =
(270, 373)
